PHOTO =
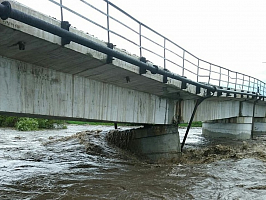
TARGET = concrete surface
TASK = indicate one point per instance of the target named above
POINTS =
(156, 142)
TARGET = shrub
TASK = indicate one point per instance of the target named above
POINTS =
(50, 123)
(27, 124)
(8, 121)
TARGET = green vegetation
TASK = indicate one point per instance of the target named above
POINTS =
(27, 124)
(7, 121)
(30, 124)
(194, 124)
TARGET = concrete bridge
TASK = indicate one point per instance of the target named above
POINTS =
(50, 69)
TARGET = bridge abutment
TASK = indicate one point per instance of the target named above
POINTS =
(158, 142)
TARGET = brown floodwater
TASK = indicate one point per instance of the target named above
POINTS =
(78, 163)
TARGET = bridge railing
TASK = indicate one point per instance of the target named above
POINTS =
(114, 25)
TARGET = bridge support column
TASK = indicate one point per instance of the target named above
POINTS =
(259, 126)
(160, 142)
(237, 127)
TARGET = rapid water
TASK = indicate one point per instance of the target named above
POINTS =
(77, 163)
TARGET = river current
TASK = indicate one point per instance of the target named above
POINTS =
(78, 163)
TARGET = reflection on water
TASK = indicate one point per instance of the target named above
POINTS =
(77, 163)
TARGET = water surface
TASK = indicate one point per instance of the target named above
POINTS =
(77, 163)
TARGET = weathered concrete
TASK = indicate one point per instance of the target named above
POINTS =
(238, 127)
(155, 142)
(221, 108)
(259, 126)
(33, 90)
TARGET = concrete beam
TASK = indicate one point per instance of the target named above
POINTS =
(32, 90)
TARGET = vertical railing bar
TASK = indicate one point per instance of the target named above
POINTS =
(228, 79)
(164, 53)
(183, 70)
(210, 74)
(260, 87)
(236, 81)
(253, 85)
(198, 72)
(108, 22)
(140, 47)
(248, 83)
(61, 9)
(264, 90)
(220, 77)
(243, 83)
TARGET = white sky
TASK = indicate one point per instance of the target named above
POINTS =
(229, 33)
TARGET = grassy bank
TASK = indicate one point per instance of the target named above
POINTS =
(194, 124)
(30, 124)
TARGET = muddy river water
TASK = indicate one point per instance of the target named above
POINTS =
(77, 163)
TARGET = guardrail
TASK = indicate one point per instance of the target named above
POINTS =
(160, 50)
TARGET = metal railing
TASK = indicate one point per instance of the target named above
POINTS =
(160, 50)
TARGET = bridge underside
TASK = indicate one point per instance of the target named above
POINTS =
(27, 89)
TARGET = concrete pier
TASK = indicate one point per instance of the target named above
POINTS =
(154, 142)
(259, 126)
(237, 127)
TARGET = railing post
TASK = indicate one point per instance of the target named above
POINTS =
(183, 70)
(108, 22)
(228, 79)
(264, 90)
(210, 74)
(220, 77)
(140, 47)
(236, 81)
(253, 85)
(260, 88)
(248, 83)
(164, 53)
(243, 83)
(198, 71)
(61, 9)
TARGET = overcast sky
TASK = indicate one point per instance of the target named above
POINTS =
(229, 33)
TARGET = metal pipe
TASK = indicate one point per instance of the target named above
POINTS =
(7, 12)
(199, 101)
